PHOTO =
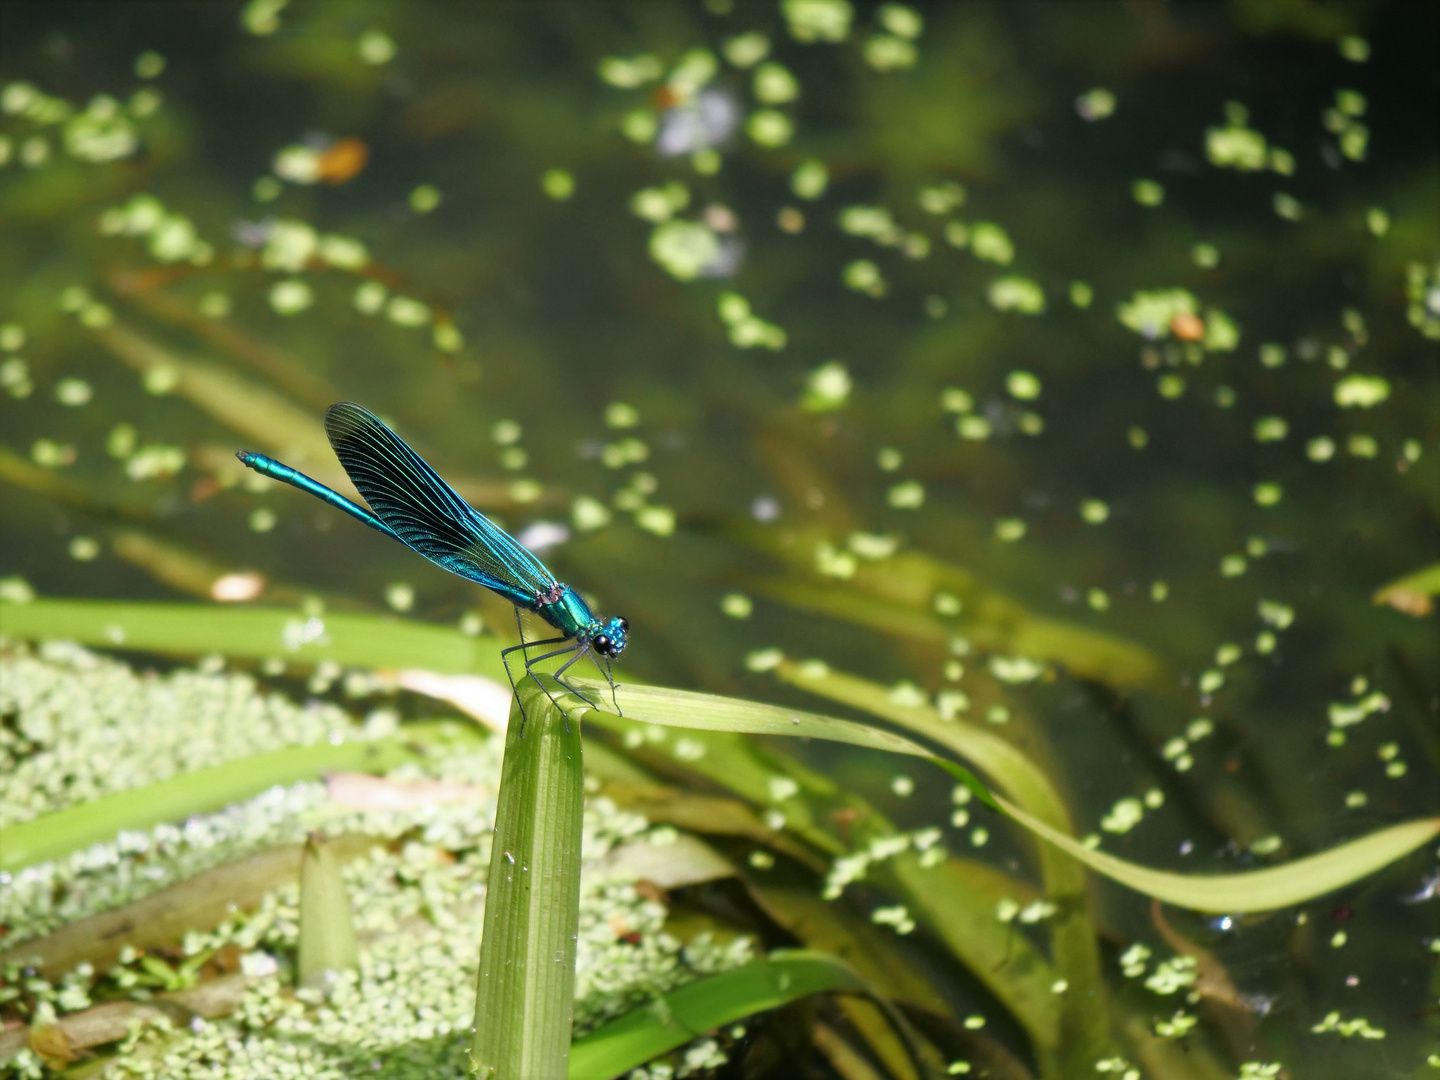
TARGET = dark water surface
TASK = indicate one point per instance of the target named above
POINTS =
(1225, 483)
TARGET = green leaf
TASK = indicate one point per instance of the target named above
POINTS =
(255, 411)
(257, 633)
(1072, 1026)
(261, 416)
(526, 989)
(1254, 890)
(737, 764)
(57, 834)
(701, 1006)
(1006, 764)
(955, 900)
(896, 595)
(183, 569)
(265, 358)
(327, 926)
(710, 712)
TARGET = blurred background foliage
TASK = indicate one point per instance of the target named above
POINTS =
(1072, 367)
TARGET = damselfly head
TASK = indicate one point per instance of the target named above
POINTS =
(610, 640)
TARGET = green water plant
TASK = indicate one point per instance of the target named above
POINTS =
(327, 927)
(405, 858)
(526, 992)
(524, 1010)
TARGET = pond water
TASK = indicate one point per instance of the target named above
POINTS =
(1074, 367)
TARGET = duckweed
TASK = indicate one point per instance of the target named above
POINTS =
(415, 905)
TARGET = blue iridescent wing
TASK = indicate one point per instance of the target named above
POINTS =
(425, 512)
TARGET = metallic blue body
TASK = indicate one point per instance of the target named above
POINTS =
(278, 470)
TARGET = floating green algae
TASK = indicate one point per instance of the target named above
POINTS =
(416, 900)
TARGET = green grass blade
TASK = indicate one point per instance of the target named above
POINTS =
(266, 358)
(710, 712)
(184, 569)
(526, 990)
(256, 412)
(680, 1016)
(1023, 987)
(1004, 762)
(1257, 890)
(263, 417)
(1087, 653)
(327, 926)
(1253, 890)
(961, 915)
(1080, 1024)
(257, 633)
(738, 765)
(956, 899)
(895, 595)
(54, 835)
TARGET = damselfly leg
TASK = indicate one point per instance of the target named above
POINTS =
(531, 661)
(579, 650)
(609, 678)
(520, 628)
(604, 670)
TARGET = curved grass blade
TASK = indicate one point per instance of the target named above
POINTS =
(54, 835)
(678, 1017)
(253, 410)
(1006, 628)
(1001, 760)
(245, 407)
(1078, 1031)
(955, 899)
(959, 914)
(268, 360)
(526, 990)
(710, 712)
(186, 570)
(168, 562)
(1253, 890)
(23, 473)
(1061, 1041)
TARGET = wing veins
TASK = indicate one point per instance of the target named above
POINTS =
(426, 513)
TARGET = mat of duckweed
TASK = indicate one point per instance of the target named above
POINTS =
(77, 726)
